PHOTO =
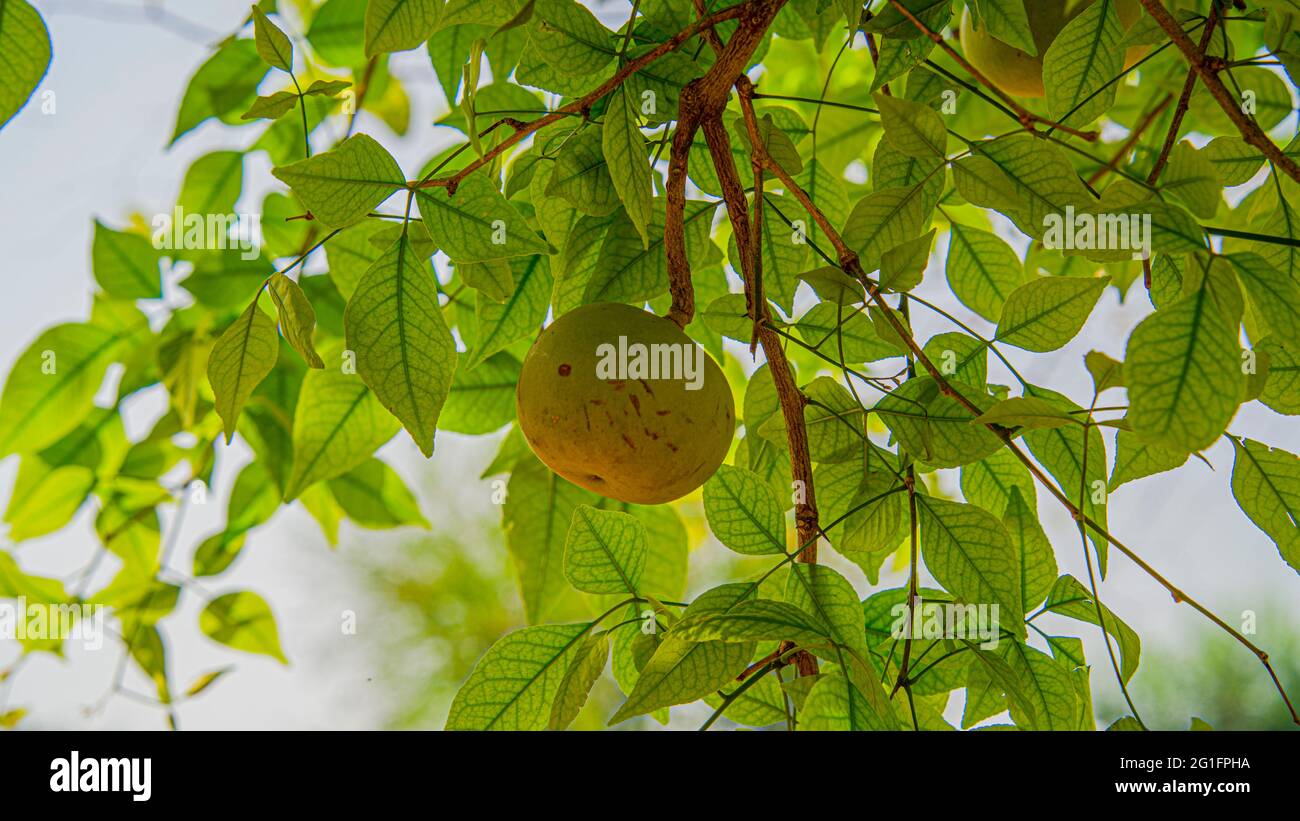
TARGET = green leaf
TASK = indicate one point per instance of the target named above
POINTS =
(1191, 177)
(223, 86)
(501, 324)
(125, 264)
(399, 25)
(727, 316)
(982, 270)
(254, 498)
(756, 620)
(1061, 451)
(1282, 390)
(1274, 296)
(297, 317)
(570, 37)
(25, 42)
(582, 175)
(212, 184)
(785, 251)
(961, 357)
(482, 398)
(605, 551)
(515, 684)
(1266, 485)
(1036, 559)
(587, 665)
(743, 512)
(1070, 598)
(1080, 64)
(1043, 684)
(913, 128)
(243, 621)
(482, 12)
(47, 503)
(833, 420)
(1026, 178)
(326, 88)
(1046, 313)
(345, 183)
(934, 427)
(831, 284)
(1135, 459)
(627, 271)
(969, 552)
(884, 219)
(681, 671)
(272, 44)
(374, 496)
(271, 107)
(536, 517)
(492, 279)
(1233, 159)
(1105, 372)
(404, 350)
(836, 703)
(241, 358)
(1007, 21)
(338, 424)
(477, 223)
(901, 268)
(337, 32)
(1026, 412)
(990, 481)
(625, 154)
(832, 602)
(1183, 372)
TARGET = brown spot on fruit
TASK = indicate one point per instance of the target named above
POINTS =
(566, 369)
(619, 456)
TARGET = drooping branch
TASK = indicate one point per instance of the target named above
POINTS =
(701, 108)
(701, 101)
(1209, 74)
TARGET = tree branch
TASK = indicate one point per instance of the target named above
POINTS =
(1250, 130)
(1184, 100)
(850, 264)
(584, 103)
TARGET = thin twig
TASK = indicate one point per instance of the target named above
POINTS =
(1208, 71)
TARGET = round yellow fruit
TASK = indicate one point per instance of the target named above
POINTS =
(622, 402)
(1020, 74)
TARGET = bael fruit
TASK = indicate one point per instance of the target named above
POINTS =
(593, 409)
(1020, 74)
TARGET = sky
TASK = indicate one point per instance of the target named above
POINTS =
(100, 152)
